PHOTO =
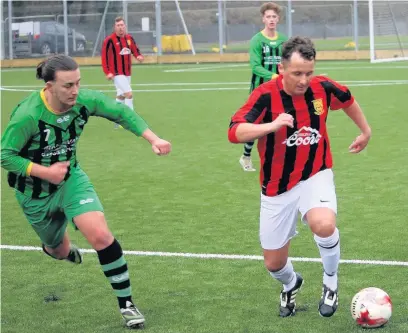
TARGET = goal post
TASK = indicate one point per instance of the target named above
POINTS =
(388, 30)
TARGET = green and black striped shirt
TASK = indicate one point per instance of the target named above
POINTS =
(35, 134)
(264, 56)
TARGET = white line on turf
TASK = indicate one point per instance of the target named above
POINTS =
(374, 84)
(167, 84)
(234, 68)
(218, 256)
(215, 67)
(187, 69)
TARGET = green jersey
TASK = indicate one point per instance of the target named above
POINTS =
(35, 134)
(264, 56)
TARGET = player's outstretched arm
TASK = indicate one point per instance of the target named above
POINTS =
(159, 146)
(106, 107)
(356, 114)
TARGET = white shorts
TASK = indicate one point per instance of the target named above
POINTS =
(122, 84)
(279, 214)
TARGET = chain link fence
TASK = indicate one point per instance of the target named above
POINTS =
(37, 27)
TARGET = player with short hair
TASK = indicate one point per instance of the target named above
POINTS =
(39, 153)
(264, 57)
(288, 115)
(117, 50)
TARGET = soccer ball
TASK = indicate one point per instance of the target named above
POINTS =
(371, 307)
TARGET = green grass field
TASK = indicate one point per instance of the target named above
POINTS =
(198, 200)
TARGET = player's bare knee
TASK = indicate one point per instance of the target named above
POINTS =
(324, 228)
(274, 264)
(128, 95)
(101, 239)
(121, 97)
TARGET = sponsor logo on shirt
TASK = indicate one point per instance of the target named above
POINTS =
(62, 119)
(125, 51)
(304, 136)
(59, 149)
(86, 201)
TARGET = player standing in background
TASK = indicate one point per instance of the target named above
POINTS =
(288, 115)
(39, 152)
(264, 57)
(117, 50)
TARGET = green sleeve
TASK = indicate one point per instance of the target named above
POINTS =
(17, 134)
(107, 107)
(255, 59)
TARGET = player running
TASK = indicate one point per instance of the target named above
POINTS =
(39, 153)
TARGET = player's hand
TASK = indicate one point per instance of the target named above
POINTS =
(284, 119)
(359, 143)
(56, 172)
(161, 147)
(110, 76)
(140, 58)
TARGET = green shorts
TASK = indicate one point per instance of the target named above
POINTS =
(49, 216)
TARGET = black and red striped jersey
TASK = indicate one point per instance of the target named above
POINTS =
(291, 155)
(117, 54)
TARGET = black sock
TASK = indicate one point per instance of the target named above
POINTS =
(248, 148)
(114, 267)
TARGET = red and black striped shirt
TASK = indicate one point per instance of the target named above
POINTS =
(291, 155)
(117, 54)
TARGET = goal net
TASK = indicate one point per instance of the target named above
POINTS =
(388, 30)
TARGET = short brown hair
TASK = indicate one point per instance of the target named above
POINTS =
(118, 19)
(270, 6)
(298, 44)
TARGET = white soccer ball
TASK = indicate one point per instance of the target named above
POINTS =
(371, 307)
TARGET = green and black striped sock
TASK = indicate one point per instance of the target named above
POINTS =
(115, 268)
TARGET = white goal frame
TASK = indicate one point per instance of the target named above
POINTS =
(373, 57)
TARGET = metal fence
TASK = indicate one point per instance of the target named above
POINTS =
(38, 28)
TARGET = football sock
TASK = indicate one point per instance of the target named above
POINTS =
(248, 148)
(329, 249)
(286, 275)
(129, 102)
(115, 268)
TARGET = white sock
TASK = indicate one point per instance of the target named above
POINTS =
(129, 102)
(120, 100)
(286, 275)
(330, 281)
(329, 249)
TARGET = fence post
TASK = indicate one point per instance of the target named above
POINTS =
(355, 23)
(66, 47)
(220, 26)
(289, 18)
(10, 22)
(158, 28)
(100, 27)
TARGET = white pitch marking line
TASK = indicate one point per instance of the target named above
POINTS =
(376, 84)
(201, 83)
(317, 68)
(211, 67)
(217, 256)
